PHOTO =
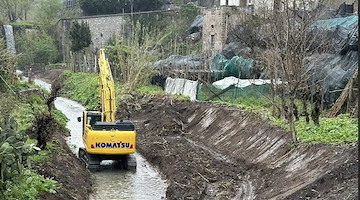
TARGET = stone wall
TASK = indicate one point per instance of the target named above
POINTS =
(102, 28)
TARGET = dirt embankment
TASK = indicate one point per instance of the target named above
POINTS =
(73, 179)
(217, 152)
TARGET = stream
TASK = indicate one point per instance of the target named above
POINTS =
(110, 182)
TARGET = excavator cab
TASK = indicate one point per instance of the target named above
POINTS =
(90, 118)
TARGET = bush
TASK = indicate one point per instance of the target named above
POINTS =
(27, 186)
(13, 152)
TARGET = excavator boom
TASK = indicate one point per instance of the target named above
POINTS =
(107, 90)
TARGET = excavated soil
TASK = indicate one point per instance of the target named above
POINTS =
(208, 151)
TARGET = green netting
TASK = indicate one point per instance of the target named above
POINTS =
(237, 66)
(332, 23)
(252, 91)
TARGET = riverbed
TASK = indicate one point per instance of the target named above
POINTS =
(111, 182)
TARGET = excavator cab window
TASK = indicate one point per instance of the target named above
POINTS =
(92, 119)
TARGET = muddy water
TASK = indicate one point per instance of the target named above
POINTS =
(110, 182)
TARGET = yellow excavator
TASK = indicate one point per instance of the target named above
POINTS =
(105, 138)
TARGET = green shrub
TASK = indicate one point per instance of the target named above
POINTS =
(28, 186)
(80, 36)
(341, 129)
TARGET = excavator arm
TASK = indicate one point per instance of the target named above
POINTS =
(107, 90)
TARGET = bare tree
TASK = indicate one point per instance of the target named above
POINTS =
(289, 40)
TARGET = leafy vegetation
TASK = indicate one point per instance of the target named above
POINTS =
(22, 25)
(47, 14)
(15, 9)
(134, 58)
(17, 181)
(27, 186)
(43, 155)
(337, 130)
(173, 27)
(17, 151)
(36, 47)
(82, 87)
(150, 90)
(7, 67)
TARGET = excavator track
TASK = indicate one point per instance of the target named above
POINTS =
(92, 162)
(128, 162)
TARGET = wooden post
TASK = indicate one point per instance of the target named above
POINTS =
(350, 98)
(342, 98)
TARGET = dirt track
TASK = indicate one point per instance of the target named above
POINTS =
(217, 152)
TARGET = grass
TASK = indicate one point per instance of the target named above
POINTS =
(43, 155)
(338, 130)
(82, 87)
(150, 90)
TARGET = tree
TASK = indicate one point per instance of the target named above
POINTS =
(80, 36)
(15, 9)
(47, 14)
(281, 40)
(37, 47)
(289, 39)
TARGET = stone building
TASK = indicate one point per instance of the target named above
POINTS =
(217, 23)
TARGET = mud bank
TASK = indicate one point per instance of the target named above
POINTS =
(217, 152)
(73, 179)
